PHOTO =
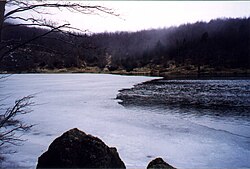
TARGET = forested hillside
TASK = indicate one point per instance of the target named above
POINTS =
(220, 45)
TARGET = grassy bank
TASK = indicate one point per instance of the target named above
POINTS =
(146, 71)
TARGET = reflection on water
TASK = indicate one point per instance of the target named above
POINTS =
(203, 97)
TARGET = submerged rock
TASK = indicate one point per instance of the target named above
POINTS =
(159, 163)
(75, 149)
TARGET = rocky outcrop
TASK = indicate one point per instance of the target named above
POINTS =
(159, 163)
(75, 149)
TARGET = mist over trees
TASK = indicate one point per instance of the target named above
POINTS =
(218, 44)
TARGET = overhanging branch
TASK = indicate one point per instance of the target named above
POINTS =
(73, 7)
(30, 40)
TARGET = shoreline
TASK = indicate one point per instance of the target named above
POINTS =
(170, 74)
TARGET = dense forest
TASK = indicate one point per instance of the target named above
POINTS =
(217, 46)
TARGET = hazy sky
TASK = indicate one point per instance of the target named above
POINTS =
(138, 15)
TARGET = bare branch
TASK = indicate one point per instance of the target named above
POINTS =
(23, 6)
(73, 7)
(30, 40)
(20, 18)
(9, 125)
(43, 23)
(16, 109)
(15, 2)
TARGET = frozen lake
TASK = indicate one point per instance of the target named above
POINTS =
(87, 101)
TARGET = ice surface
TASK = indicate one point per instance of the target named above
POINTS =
(87, 101)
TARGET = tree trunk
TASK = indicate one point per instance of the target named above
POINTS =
(2, 9)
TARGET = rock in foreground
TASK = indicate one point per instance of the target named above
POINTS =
(159, 163)
(75, 149)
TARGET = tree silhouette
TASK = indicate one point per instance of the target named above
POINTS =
(38, 7)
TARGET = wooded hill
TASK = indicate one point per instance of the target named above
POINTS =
(217, 46)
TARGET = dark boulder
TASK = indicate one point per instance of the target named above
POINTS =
(75, 149)
(159, 163)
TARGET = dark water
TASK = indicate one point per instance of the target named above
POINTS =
(230, 97)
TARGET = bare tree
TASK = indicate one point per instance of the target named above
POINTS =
(9, 125)
(39, 7)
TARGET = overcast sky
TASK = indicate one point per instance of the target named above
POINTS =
(138, 15)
